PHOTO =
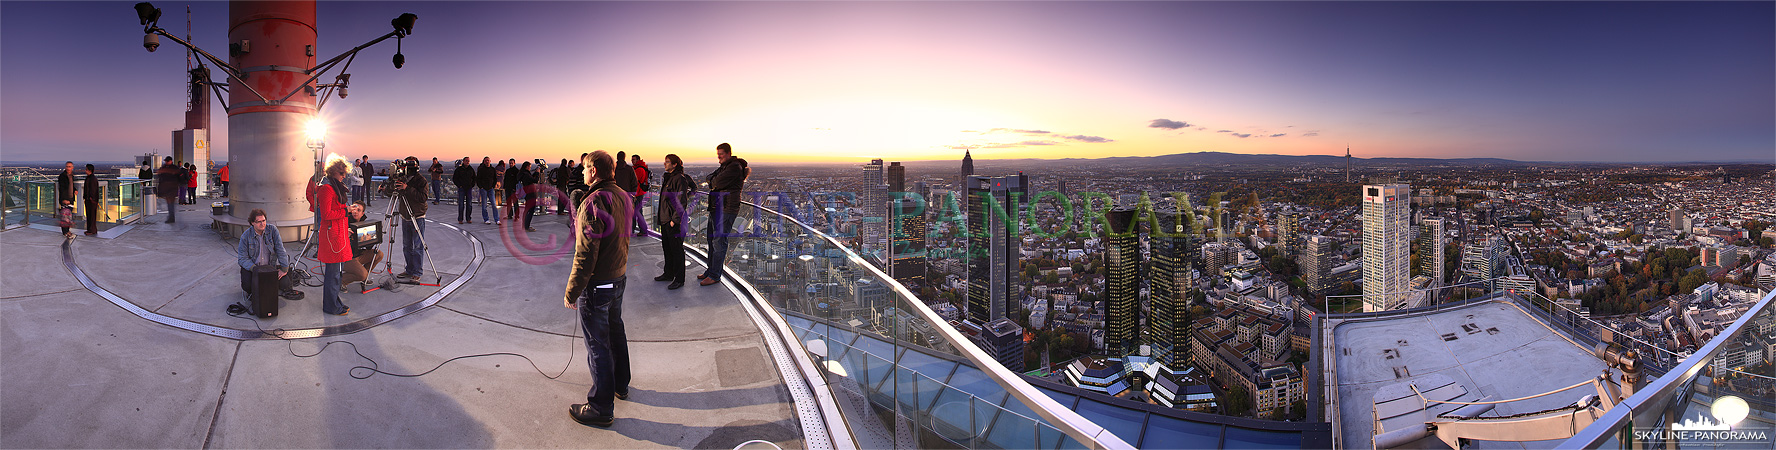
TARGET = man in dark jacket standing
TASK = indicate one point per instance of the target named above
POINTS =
(167, 186)
(509, 189)
(485, 176)
(367, 169)
(725, 185)
(92, 195)
(464, 179)
(625, 174)
(410, 186)
(595, 288)
(562, 174)
(670, 215)
(437, 172)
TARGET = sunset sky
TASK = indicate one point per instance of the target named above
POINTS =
(842, 82)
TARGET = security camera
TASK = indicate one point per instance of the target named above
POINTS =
(150, 42)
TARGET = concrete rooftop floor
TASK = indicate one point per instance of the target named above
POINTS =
(1523, 357)
(77, 371)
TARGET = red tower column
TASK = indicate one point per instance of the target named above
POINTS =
(273, 43)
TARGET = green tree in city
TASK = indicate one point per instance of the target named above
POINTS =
(1238, 402)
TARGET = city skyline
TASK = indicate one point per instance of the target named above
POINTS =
(843, 82)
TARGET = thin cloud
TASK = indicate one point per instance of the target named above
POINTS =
(1091, 139)
(1021, 144)
(1014, 130)
(1167, 124)
(1224, 131)
(1241, 135)
(1310, 134)
(1278, 135)
(1201, 128)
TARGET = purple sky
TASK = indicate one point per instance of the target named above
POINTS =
(807, 81)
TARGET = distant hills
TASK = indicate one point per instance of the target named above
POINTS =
(1223, 158)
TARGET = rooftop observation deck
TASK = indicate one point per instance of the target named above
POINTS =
(81, 369)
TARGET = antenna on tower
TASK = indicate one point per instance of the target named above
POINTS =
(188, 55)
(1347, 163)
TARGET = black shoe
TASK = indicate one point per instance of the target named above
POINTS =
(292, 294)
(662, 278)
(623, 394)
(529, 229)
(676, 284)
(584, 414)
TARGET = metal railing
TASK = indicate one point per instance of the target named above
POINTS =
(123, 201)
(813, 278)
(1679, 409)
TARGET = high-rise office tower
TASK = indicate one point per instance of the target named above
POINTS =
(1676, 216)
(896, 177)
(872, 229)
(1169, 282)
(1481, 261)
(992, 244)
(1386, 250)
(907, 237)
(967, 169)
(1316, 262)
(1122, 281)
(906, 230)
(1288, 226)
(1347, 164)
(1430, 249)
(1217, 256)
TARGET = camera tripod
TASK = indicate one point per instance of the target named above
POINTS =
(388, 259)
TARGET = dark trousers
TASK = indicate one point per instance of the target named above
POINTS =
(718, 242)
(172, 207)
(330, 274)
(437, 190)
(92, 217)
(641, 225)
(672, 242)
(561, 200)
(464, 197)
(511, 204)
(607, 344)
(412, 246)
(224, 185)
(530, 207)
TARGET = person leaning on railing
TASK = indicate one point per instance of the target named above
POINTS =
(261, 248)
(725, 185)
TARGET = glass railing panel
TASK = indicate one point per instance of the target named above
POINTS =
(952, 416)
(1012, 431)
(972, 381)
(1256, 439)
(878, 338)
(1051, 438)
(876, 379)
(1168, 432)
(1123, 422)
(1720, 397)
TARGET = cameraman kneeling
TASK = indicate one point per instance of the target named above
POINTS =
(358, 268)
(260, 246)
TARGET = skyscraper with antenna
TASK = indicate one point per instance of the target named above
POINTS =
(1347, 163)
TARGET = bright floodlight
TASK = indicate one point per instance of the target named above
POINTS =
(316, 129)
(1730, 410)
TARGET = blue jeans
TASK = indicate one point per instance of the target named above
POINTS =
(330, 303)
(607, 344)
(718, 242)
(487, 202)
(172, 207)
(412, 246)
(437, 189)
(463, 198)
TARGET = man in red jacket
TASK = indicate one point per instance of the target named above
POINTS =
(333, 232)
(642, 176)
